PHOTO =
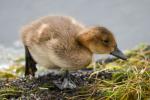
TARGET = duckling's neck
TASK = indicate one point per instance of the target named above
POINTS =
(82, 38)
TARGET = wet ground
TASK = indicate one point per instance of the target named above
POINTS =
(43, 87)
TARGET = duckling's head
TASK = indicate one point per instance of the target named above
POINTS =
(100, 40)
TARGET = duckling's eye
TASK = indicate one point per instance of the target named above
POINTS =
(105, 41)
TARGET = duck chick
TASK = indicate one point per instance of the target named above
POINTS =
(60, 42)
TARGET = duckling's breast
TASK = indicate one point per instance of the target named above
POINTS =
(71, 56)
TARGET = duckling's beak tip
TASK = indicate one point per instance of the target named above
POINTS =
(118, 53)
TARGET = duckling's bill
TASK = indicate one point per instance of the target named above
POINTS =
(118, 53)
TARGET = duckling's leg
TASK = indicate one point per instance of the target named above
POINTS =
(30, 64)
(67, 82)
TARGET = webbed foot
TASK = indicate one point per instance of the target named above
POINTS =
(66, 83)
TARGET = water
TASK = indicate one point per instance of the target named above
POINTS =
(127, 19)
(9, 55)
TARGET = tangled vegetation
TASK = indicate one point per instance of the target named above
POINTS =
(113, 79)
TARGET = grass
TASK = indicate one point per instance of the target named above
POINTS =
(9, 92)
(116, 80)
(130, 79)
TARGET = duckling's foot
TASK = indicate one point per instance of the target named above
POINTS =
(67, 82)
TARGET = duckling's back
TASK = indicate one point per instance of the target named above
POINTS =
(50, 27)
(52, 42)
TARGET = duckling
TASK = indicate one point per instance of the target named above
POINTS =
(61, 42)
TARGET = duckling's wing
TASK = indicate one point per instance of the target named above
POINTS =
(36, 33)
